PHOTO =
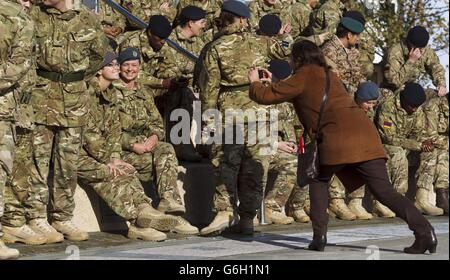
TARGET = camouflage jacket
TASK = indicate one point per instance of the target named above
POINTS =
(299, 16)
(399, 70)
(259, 8)
(176, 63)
(366, 48)
(66, 43)
(344, 62)
(397, 128)
(144, 9)
(327, 17)
(436, 120)
(16, 47)
(288, 120)
(109, 17)
(101, 135)
(223, 84)
(139, 117)
(151, 60)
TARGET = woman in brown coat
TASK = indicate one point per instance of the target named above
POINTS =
(348, 143)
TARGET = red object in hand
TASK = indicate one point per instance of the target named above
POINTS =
(301, 145)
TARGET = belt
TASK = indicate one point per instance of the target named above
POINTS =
(235, 88)
(60, 77)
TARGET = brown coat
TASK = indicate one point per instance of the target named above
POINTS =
(347, 134)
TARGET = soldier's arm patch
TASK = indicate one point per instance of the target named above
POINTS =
(387, 124)
(285, 44)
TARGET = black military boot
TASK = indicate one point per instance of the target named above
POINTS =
(442, 200)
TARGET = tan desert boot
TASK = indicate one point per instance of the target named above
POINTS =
(340, 210)
(146, 234)
(42, 226)
(355, 205)
(70, 231)
(23, 234)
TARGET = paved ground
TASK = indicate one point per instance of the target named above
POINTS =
(376, 239)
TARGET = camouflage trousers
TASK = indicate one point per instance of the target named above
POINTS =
(62, 146)
(240, 174)
(337, 190)
(397, 166)
(433, 170)
(6, 158)
(285, 189)
(23, 201)
(159, 166)
(123, 194)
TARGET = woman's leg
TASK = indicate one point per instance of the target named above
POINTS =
(318, 195)
(375, 174)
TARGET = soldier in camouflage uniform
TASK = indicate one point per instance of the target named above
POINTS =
(190, 25)
(15, 60)
(410, 59)
(142, 140)
(212, 8)
(239, 169)
(70, 46)
(113, 22)
(144, 9)
(150, 43)
(400, 124)
(283, 164)
(433, 169)
(20, 196)
(285, 192)
(343, 58)
(327, 17)
(299, 16)
(100, 165)
(260, 8)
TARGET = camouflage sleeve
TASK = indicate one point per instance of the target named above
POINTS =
(326, 21)
(127, 140)
(434, 119)
(20, 53)
(280, 48)
(435, 69)
(98, 48)
(168, 68)
(93, 141)
(210, 94)
(390, 132)
(254, 18)
(298, 19)
(397, 69)
(154, 123)
(114, 134)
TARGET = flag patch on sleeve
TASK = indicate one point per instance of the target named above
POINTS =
(387, 124)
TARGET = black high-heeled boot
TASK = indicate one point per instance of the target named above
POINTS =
(318, 243)
(423, 244)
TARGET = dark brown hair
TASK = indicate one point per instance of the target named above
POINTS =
(225, 19)
(305, 52)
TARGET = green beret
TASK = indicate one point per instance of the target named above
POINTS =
(352, 25)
